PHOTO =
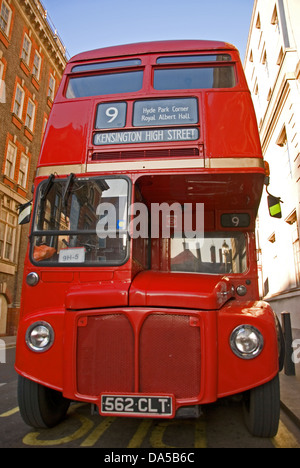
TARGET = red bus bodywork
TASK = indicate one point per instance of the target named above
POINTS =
(140, 327)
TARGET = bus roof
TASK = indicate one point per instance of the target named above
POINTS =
(152, 47)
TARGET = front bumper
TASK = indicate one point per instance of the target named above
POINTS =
(140, 351)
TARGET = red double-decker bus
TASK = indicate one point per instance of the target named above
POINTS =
(140, 291)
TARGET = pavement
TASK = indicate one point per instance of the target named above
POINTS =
(289, 385)
(10, 341)
(290, 394)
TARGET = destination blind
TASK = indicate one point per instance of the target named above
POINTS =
(176, 115)
(165, 112)
(146, 136)
(150, 113)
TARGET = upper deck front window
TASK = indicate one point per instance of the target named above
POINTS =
(194, 78)
(194, 58)
(108, 83)
(104, 65)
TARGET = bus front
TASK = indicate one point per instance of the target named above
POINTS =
(140, 290)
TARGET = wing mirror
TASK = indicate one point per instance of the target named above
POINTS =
(274, 206)
(273, 202)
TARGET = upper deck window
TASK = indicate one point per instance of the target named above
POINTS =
(104, 65)
(110, 83)
(194, 78)
(194, 58)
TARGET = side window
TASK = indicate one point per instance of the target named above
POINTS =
(10, 162)
(51, 88)
(26, 49)
(36, 69)
(19, 101)
(30, 114)
(23, 171)
(5, 17)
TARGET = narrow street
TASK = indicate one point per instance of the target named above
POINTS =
(220, 426)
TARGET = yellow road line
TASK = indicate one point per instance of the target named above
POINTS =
(140, 434)
(97, 432)
(200, 434)
(33, 440)
(284, 438)
(157, 435)
(9, 413)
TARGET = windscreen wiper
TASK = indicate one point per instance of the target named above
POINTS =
(68, 188)
(48, 186)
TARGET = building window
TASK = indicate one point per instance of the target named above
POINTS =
(264, 62)
(282, 141)
(51, 89)
(257, 24)
(30, 113)
(280, 57)
(36, 69)
(19, 101)
(8, 229)
(23, 171)
(266, 287)
(5, 17)
(296, 249)
(2, 84)
(292, 221)
(44, 126)
(274, 19)
(272, 238)
(10, 161)
(26, 49)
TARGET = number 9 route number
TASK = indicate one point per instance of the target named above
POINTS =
(111, 115)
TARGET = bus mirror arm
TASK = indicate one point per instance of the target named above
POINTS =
(25, 213)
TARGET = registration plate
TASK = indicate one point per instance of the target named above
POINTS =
(142, 405)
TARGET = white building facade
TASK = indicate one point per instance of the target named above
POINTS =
(272, 67)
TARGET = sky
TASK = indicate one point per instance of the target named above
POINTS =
(91, 24)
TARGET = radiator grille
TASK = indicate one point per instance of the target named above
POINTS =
(168, 362)
(105, 353)
(170, 356)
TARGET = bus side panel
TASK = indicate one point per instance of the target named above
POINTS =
(66, 134)
(235, 374)
(231, 127)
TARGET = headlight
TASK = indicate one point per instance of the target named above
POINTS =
(246, 341)
(32, 278)
(39, 336)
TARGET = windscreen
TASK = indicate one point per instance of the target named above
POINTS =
(216, 253)
(81, 220)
